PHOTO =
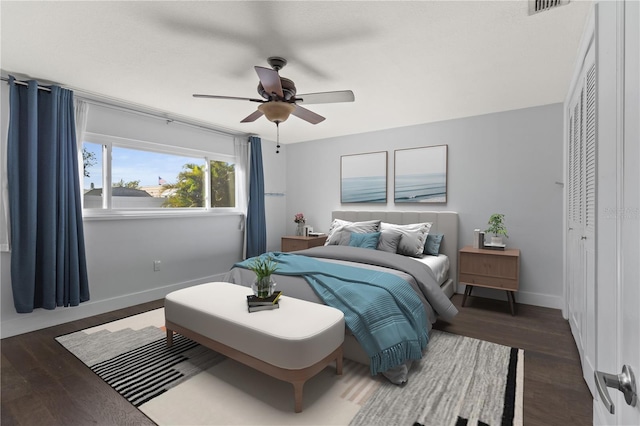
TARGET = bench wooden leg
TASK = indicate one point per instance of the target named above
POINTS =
(339, 363)
(297, 393)
(169, 338)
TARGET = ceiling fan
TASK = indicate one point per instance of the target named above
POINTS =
(280, 97)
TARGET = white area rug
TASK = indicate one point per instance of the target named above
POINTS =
(459, 381)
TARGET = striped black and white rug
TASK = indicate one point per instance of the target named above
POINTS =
(135, 360)
(460, 381)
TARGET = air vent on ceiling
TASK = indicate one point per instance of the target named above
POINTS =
(537, 6)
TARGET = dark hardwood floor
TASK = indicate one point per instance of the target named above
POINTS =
(43, 384)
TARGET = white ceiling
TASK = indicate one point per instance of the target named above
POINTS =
(407, 62)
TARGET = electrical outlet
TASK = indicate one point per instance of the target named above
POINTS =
(156, 265)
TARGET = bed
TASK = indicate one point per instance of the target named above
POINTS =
(432, 278)
(443, 222)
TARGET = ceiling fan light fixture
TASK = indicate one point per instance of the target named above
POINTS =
(276, 111)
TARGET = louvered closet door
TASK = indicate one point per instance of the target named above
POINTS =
(581, 201)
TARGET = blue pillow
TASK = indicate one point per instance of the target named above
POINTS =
(369, 241)
(432, 245)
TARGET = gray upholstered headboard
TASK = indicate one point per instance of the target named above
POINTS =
(442, 222)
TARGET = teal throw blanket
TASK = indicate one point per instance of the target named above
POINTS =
(381, 309)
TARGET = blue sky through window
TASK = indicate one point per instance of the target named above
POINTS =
(130, 164)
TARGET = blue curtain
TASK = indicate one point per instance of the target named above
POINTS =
(48, 265)
(256, 222)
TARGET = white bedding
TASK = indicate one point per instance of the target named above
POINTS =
(439, 265)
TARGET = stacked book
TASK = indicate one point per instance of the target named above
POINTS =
(478, 238)
(493, 246)
(255, 303)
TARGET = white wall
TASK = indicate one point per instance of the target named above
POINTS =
(120, 255)
(505, 162)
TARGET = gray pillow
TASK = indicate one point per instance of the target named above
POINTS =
(340, 238)
(413, 237)
(338, 225)
(389, 240)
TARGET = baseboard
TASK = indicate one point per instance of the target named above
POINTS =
(524, 297)
(42, 318)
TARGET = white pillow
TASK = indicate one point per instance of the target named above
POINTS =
(413, 238)
(333, 237)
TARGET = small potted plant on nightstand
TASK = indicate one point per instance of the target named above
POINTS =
(497, 228)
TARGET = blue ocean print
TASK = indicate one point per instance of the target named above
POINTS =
(368, 189)
(421, 188)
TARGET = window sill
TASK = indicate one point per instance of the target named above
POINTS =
(89, 215)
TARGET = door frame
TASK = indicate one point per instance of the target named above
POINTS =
(617, 136)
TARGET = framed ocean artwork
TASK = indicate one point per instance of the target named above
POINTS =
(421, 175)
(363, 178)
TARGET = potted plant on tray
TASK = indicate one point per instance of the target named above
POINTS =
(497, 228)
(263, 267)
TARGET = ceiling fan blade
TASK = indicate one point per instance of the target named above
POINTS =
(270, 80)
(326, 97)
(307, 115)
(252, 117)
(196, 95)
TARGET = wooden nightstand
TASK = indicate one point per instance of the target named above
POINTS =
(498, 269)
(301, 243)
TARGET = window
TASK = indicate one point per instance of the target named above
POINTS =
(121, 174)
(223, 184)
(92, 166)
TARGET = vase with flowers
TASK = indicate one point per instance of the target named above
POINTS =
(263, 267)
(300, 220)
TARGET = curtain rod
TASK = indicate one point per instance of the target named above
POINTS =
(24, 83)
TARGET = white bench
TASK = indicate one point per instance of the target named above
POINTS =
(292, 343)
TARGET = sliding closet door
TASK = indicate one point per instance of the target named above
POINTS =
(581, 202)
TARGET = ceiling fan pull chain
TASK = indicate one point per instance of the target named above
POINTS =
(277, 137)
